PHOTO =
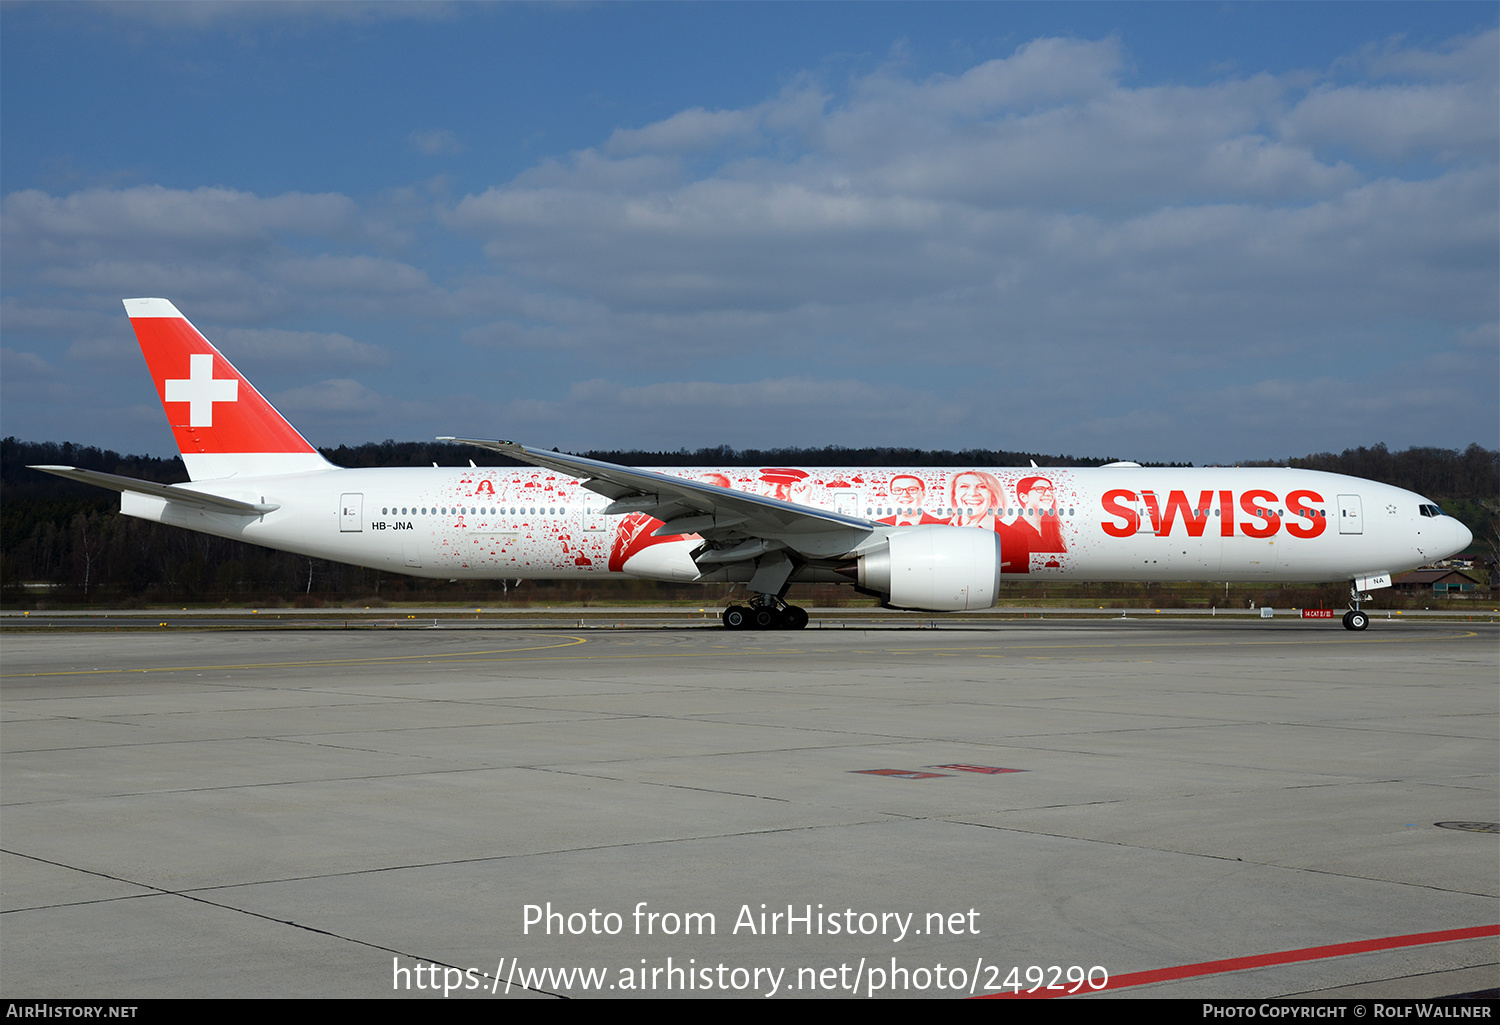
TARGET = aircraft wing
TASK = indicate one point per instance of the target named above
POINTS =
(172, 493)
(736, 526)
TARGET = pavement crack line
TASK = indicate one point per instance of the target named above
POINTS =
(158, 891)
(1222, 857)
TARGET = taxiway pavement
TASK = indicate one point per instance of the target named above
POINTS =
(330, 813)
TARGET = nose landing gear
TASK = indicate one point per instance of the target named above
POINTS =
(1354, 619)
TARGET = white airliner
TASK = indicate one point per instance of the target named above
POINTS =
(929, 539)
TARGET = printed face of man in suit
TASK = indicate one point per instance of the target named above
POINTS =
(908, 493)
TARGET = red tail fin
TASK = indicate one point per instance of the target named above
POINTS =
(223, 426)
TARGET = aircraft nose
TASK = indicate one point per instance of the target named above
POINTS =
(1462, 536)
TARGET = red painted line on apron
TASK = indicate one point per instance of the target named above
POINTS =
(1236, 964)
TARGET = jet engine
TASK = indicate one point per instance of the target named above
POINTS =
(936, 569)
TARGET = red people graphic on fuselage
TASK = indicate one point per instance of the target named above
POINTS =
(976, 498)
(979, 500)
(1038, 519)
(909, 494)
(781, 481)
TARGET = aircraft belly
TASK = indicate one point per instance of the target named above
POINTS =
(1252, 558)
(1144, 557)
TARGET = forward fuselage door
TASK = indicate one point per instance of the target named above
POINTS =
(1350, 521)
(351, 513)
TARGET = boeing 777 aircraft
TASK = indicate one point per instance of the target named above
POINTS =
(930, 539)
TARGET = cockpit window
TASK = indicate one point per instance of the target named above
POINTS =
(1428, 509)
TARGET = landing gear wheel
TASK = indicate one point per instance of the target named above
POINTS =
(765, 612)
(1356, 620)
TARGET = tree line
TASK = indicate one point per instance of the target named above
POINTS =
(61, 541)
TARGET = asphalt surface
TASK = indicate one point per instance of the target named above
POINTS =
(187, 811)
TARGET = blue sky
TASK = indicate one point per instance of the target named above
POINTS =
(1198, 232)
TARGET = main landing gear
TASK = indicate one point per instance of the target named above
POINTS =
(765, 612)
(1354, 619)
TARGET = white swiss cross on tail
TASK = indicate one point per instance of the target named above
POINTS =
(200, 391)
(223, 426)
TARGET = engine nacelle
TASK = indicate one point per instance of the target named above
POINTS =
(936, 569)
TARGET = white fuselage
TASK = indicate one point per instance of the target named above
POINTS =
(1100, 524)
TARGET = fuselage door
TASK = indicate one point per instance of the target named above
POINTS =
(592, 521)
(847, 502)
(351, 513)
(1144, 523)
(1350, 521)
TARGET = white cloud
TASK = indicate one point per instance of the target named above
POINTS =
(151, 218)
(34, 317)
(295, 349)
(1044, 72)
(222, 254)
(506, 334)
(1471, 58)
(363, 274)
(1037, 248)
(1034, 199)
(790, 411)
(434, 141)
(1399, 122)
(1484, 337)
(677, 397)
(130, 278)
(1033, 224)
(24, 367)
(215, 14)
(918, 185)
(688, 130)
(340, 396)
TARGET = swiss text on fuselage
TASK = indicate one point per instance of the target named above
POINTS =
(1263, 513)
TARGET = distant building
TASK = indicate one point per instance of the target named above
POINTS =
(1438, 581)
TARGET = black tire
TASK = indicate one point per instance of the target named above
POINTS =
(1358, 620)
(762, 618)
(736, 617)
(1346, 621)
(794, 618)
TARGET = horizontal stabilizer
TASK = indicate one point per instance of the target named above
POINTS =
(172, 493)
